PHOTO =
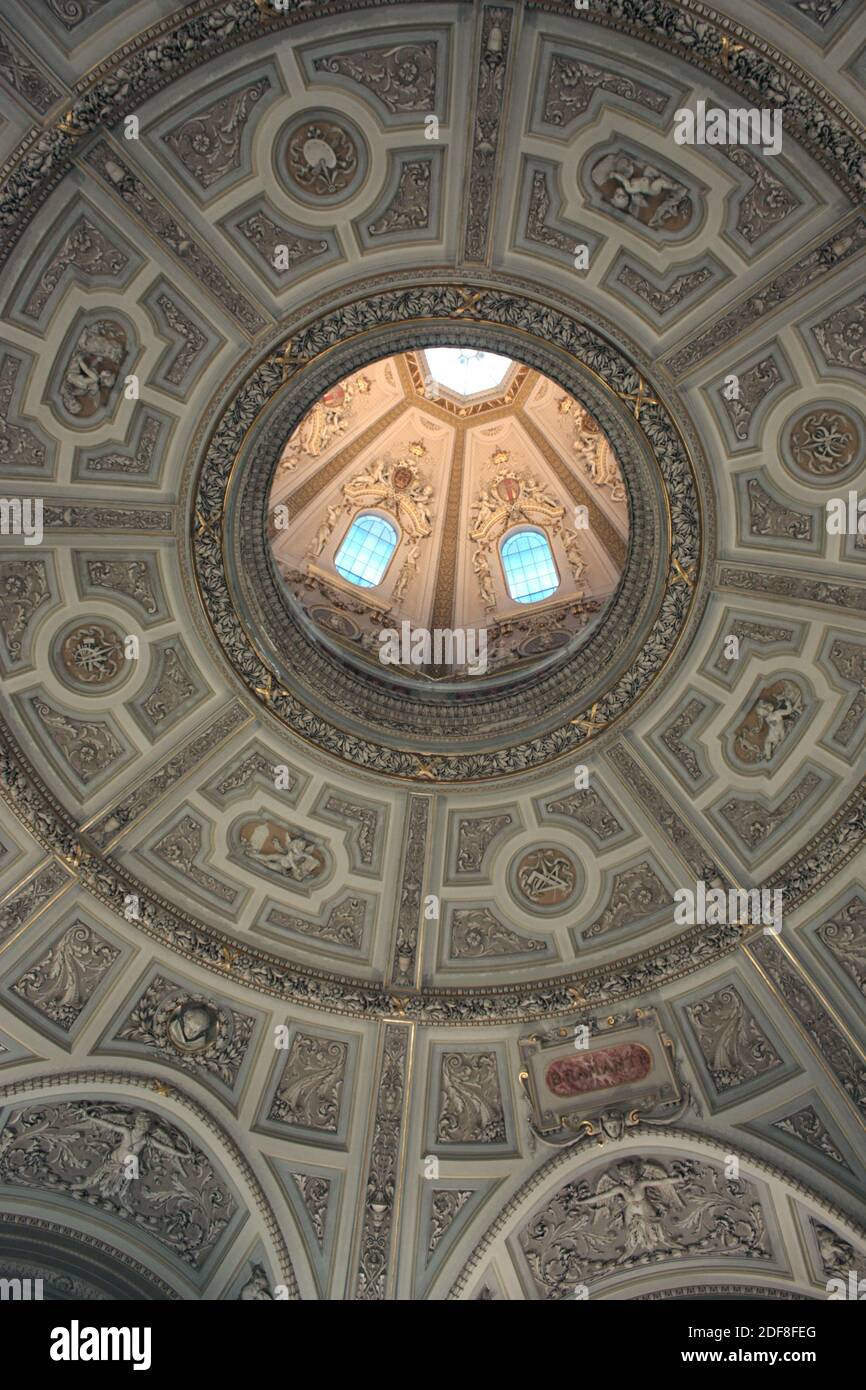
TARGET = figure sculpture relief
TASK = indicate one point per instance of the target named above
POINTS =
(640, 1211)
(93, 368)
(511, 496)
(481, 566)
(643, 192)
(320, 540)
(604, 472)
(574, 555)
(407, 573)
(135, 1136)
(257, 1288)
(326, 422)
(122, 1160)
(278, 848)
(769, 722)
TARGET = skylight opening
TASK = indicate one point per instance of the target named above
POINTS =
(468, 371)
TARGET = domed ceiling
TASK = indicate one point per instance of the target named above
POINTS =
(422, 971)
(455, 469)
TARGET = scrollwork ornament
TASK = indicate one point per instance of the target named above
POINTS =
(664, 1101)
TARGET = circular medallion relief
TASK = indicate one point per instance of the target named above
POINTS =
(546, 878)
(336, 622)
(824, 444)
(91, 656)
(543, 643)
(192, 1025)
(321, 160)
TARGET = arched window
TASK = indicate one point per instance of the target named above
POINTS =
(366, 550)
(530, 572)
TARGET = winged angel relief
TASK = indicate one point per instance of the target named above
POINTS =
(640, 1212)
(121, 1160)
(395, 487)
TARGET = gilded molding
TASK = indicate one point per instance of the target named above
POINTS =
(374, 1266)
(302, 684)
(205, 29)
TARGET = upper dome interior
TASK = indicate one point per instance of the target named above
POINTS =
(443, 470)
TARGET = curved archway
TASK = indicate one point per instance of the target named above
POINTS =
(624, 1223)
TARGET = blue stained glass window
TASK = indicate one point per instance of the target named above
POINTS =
(530, 572)
(368, 546)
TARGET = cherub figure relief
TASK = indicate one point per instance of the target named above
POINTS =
(643, 192)
(278, 849)
(93, 367)
(769, 722)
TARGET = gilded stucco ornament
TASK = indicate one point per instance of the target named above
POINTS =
(43, 159)
(587, 1083)
(197, 35)
(512, 727)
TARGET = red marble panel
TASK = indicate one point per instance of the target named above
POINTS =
(599, 1070)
